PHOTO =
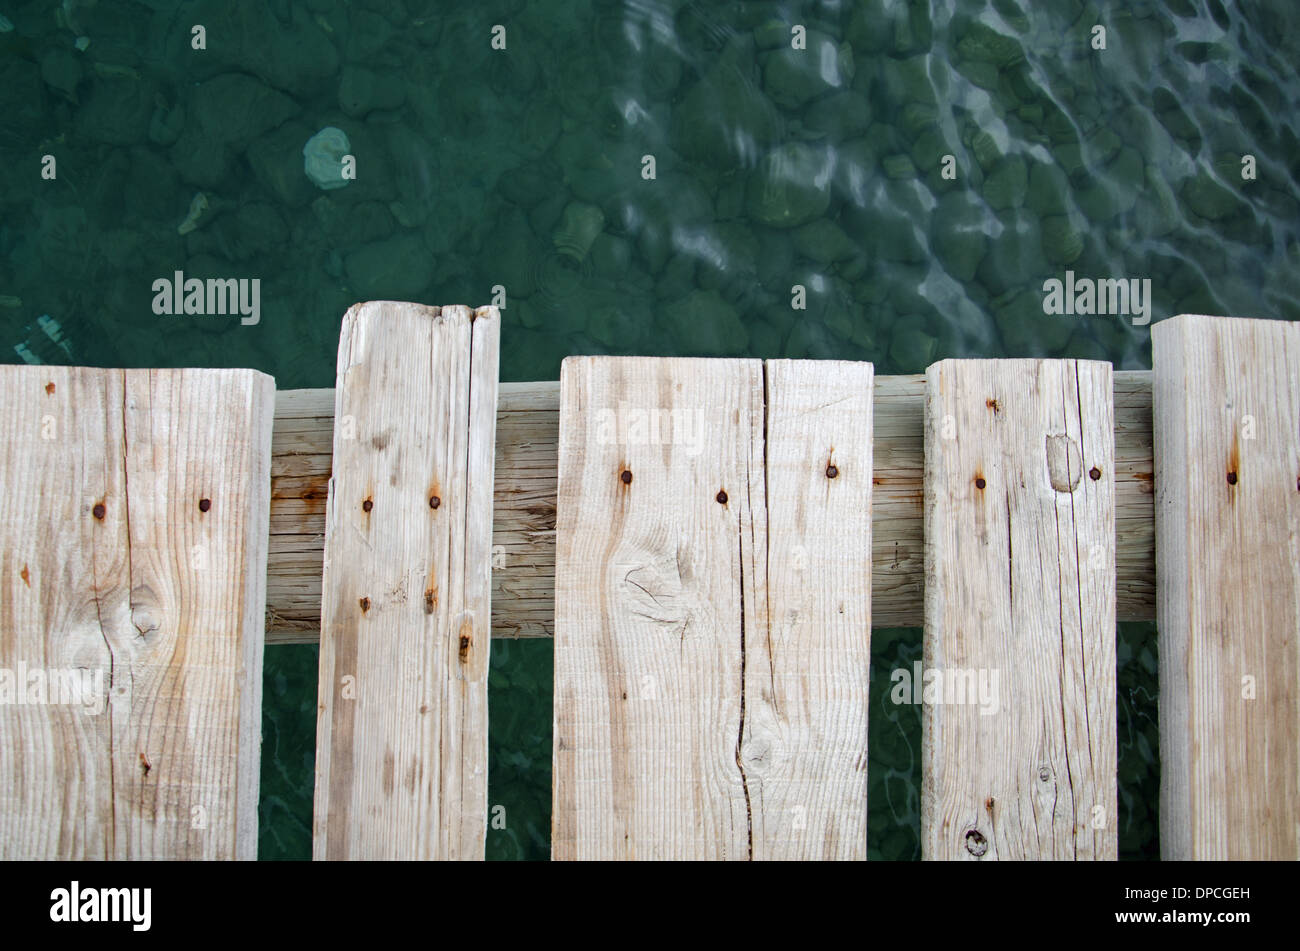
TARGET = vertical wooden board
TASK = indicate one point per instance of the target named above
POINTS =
(134, 519)
(684, 727)
(807, 668)
(401, 762)
(1227, 521)
(1018, 723)
(648, 594)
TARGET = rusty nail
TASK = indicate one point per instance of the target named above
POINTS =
(205, 504)
(367, 505)
(365, 604)
(1232, 478)
(979, 482)
(1094, 473)
(626, 476)
(831, 472)
(98, 510)
(434, 501)
(722, 496)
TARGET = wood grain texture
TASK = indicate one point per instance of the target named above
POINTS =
(1020, 604)
(713, 609)
(1227, 521)
(401, 760)
(133, 524)
(523, 590)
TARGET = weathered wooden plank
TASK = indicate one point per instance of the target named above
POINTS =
(1018, 724)
(523, 592)
(807, 667)
(712, 599)
(133, 532)
(1227, 522)
(401, 761)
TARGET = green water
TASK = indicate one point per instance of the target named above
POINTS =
(523, 170)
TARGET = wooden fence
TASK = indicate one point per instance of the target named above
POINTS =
(710, 543)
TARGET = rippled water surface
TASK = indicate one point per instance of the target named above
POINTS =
(524, 171)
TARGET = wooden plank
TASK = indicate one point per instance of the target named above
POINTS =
(1018, 725)
(807, 669)
(713, 609)
(401, 761)
(1227, 521)
(523, 592)
(133, 532)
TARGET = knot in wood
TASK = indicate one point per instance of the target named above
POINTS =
(976, 844)
(1064, 462)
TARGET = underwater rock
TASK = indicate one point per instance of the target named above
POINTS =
(362, 91)
(1048, 187)
(957, 235)
(1028, 332)
(116, 111)
(899, 167)
(911, 349)
(723, 252)
(983, 75)
(1104, 145)
(1014, 256)
(982, 44)
(323, 158)
(929, 149)
(298, 58)
(368, 32)
(414, 173)
(198, 207)
(167, 124)
(1156, 213)
(527, 184)
(677, 278)
(276, 160)
(840, 115)
(610, 256)
(1005, 186)
(793, 77)
(22, 100)
(705, 325)
(823, 241)
(513, 255)
(579, 227)
(398, 268)
(792, 186)
(225, 114)
(986, 149)
(61, 72)
(724, 121)
(906, 80)
(1062, 242)
(618, 321)
(1207, 198)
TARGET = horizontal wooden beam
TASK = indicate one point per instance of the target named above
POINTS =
(523, 536)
